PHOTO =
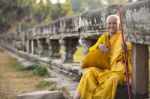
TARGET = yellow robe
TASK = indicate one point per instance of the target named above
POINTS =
(99, 83)
(95, 57)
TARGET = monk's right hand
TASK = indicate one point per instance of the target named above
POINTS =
(103, 48)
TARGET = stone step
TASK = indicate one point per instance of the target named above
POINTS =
(42, 95)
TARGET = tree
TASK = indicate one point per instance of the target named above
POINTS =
(84, 5)
(28, 13)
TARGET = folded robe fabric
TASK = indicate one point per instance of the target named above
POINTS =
(95, 57)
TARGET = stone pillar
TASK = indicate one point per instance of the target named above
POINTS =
(27, 46)
(18, 45)
(49, 47)
(35, 44)
(54, 48)
(14, 43)
(140, 71)
(68, 48)
(39, 47)
(32, 47)
(43, 47)
(24, 46)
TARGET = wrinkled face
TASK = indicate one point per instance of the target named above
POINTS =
(112, 25)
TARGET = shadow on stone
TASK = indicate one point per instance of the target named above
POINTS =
(122, 92)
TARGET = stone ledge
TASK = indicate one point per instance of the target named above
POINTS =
(70, 69)
(42, 95)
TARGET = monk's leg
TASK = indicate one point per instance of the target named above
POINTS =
(107, 90)
(87, 83)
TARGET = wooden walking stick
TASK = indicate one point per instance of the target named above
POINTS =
(124, 52)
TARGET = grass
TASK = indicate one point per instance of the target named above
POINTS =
(64, 90)
(44, 84)
(15, 79)
(17, 65)
(40, 71)
(78, 78)
(14, 63)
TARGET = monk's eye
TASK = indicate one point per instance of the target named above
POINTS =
(109, 23)
(114, 22)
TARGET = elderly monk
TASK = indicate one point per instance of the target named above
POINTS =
(98, 83)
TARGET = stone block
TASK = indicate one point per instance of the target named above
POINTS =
(42, 95)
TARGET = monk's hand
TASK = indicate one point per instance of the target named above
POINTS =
(103, 48)
(124, 47)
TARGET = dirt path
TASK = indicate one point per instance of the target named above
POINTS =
(13, 82)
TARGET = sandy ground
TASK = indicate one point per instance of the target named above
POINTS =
(13, 82)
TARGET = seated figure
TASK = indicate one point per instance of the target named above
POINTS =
(101, 83)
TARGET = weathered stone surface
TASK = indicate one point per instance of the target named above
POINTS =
(28, 65)
(140, 76)
(42, 95)
(68, 48)
(136, 18)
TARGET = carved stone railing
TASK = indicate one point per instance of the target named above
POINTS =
(88, 26)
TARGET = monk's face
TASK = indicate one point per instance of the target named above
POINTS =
(112, 25)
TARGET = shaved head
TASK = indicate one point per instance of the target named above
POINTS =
(113, 17)
(113, 22)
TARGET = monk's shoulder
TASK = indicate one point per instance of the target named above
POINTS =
(104, 34)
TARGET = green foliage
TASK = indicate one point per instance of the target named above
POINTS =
(13, 12)
(65, 92)
(78, 78)
(29, 13)
(4, 25)
(44, 84)
(40, 71)
(80, 6)
(17, 65)
(116, 1)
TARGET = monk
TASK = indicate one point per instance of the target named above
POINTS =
(98, 83)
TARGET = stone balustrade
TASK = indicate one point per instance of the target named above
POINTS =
(59, 39)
